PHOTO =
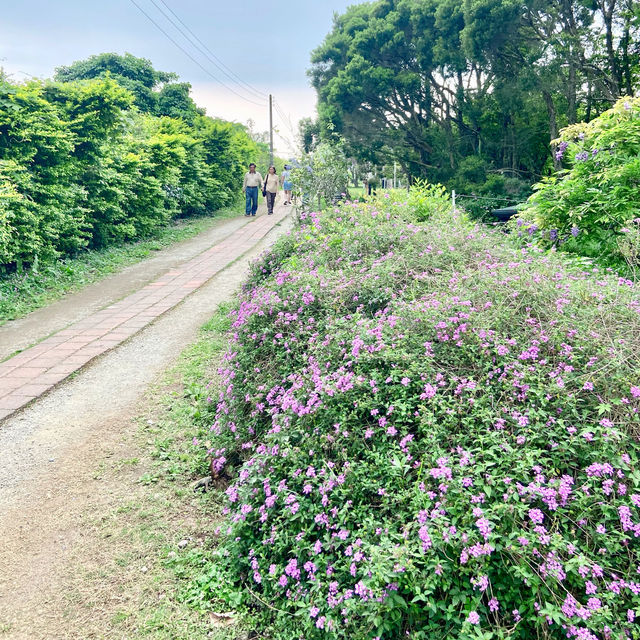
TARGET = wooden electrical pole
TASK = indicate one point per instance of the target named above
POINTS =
(270, 129)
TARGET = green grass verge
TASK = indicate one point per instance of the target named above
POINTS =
(152, 524)
(21, 293)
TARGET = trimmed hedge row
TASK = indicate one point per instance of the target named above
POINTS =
(81, 167)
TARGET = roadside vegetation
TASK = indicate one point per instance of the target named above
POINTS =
(109, 152)
(428, 430)
(590, 206)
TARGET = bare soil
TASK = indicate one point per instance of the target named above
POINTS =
(77, 527)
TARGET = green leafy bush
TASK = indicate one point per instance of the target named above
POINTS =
(81, 167)
(426, 200)
(431, 433)
(588, 207)
(322, 174)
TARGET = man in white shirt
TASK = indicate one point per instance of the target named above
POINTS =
(252, 182)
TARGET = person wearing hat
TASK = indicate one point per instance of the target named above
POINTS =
(252, 182)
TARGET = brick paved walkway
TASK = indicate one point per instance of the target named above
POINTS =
(34, 371)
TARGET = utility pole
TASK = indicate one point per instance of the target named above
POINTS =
(394, 174)
(270, 129)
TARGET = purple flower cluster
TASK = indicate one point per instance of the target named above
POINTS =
(415, 411)
(560, 151)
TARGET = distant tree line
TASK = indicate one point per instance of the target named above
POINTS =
(471, 93)
(107, 152)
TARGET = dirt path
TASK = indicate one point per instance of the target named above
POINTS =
(58, 487)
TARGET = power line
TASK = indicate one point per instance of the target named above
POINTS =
(285, 119)
(190, 56)
(197, 46)
(234, 77)
(288, 142)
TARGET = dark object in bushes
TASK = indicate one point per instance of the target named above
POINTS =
(339, 197)
(504, 214)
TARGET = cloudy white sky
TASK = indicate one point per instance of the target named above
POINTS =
(264, 44)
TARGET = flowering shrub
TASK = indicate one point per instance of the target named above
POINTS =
(431, 434)
(589, 206)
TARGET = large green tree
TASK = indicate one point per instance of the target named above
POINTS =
(469, 92)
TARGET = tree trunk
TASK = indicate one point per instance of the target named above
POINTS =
(449, 133)
(553, 123)
(626, 61)
(607, 16)
(572, 113)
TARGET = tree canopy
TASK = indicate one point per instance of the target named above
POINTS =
(155, 92)
(472, 93)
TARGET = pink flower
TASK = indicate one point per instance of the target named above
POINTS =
(429, 392)
(473, 617)
(536, 516)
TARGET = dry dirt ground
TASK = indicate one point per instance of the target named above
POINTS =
(78, 528)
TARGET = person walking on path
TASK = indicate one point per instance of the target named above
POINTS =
(252, 182)
(287, 185)
(270, 188)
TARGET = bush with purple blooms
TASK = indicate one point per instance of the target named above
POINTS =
(590, 206)
(430, 433)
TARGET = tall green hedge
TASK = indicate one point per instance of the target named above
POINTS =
(82, 167)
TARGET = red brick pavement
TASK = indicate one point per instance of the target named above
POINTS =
(37, 369)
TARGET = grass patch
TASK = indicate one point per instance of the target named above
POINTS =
(151, 539)
(21, 293)
(169, 521)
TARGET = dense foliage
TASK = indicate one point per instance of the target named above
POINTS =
(82, 166)
(321, 175)
(471, 93)
(154, 92)
(429, 433)
(591, 207)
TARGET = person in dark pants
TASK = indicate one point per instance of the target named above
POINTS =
(270, 188)
(252, 182)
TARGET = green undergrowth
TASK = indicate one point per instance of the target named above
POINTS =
(42, 284)
(158, 536)
(429, 432)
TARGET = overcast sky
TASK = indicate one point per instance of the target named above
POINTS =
(266, 45)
